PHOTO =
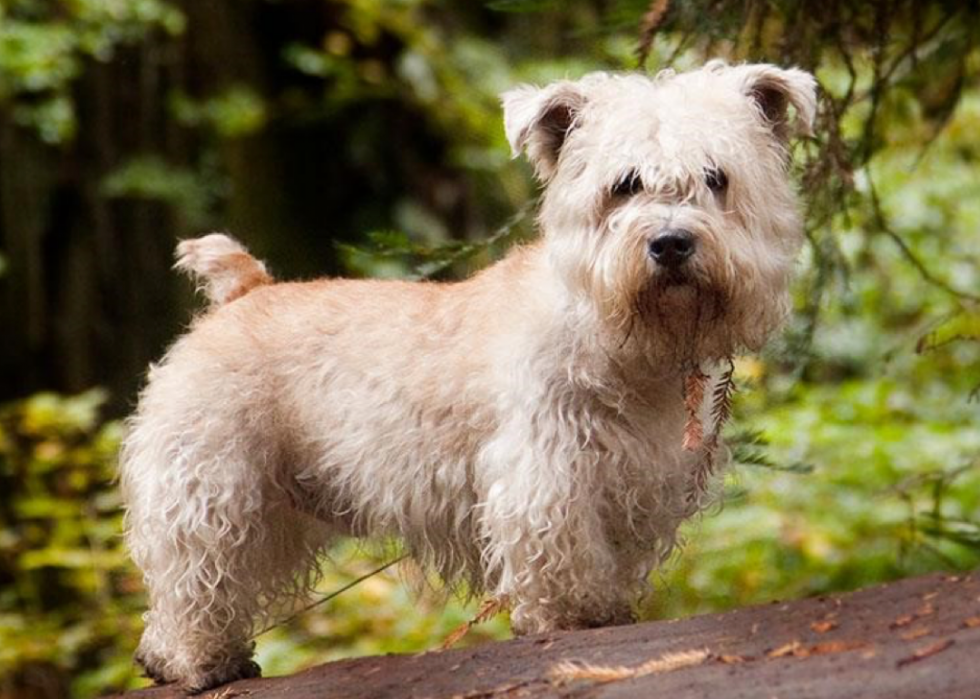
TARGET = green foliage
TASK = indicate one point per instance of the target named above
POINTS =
(70, 598)
(887, 470)
(235, 112)
(521, 5)
(392, 253)
(151, 178)
(392, 612)
(44, 47)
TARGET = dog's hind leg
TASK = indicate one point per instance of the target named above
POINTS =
(212, 527)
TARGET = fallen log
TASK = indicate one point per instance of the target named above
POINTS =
(909, 639)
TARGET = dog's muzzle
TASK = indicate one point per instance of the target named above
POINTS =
(672, 247)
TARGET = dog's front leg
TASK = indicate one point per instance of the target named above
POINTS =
(547, 548)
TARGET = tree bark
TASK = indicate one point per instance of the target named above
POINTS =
(910, 639)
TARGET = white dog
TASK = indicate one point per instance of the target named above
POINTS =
(521, 430)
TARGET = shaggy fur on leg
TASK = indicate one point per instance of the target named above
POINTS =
(521, 430)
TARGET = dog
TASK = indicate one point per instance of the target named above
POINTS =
(522, 432)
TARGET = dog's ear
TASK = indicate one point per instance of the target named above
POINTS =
(774, 90)
(538, 120)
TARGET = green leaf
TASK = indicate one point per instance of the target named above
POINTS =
(151, 177)
(522, 5)
(963, 326)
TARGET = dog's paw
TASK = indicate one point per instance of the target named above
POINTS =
(571, 619)
(215, 677)
(153, 668)
(617, 616)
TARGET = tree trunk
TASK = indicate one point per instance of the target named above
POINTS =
(910, 639)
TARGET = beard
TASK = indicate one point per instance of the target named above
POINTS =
(687, 320)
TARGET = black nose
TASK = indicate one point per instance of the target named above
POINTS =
(672, 247)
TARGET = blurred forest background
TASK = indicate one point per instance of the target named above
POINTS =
(364, 137)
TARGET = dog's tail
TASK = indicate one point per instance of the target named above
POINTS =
(221, 267)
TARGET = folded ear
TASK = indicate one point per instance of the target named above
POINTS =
(538, 120)
(775, 89)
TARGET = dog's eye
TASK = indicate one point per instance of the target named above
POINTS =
(716, 179)
(629, 185)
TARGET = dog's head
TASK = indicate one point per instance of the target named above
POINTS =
(668, 206)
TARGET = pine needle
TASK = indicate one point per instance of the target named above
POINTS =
(721, 405)
(488, 610)
(335, 593)
(694, 438)
(569, 671)
(693, 398)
